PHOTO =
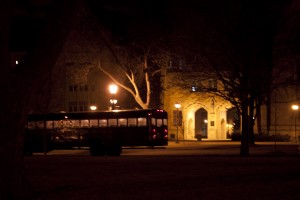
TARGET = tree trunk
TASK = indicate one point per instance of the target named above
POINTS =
(244, 150)
(14, 183)
(258, 119)
(19, 90)
(269, 110)
(251, 121)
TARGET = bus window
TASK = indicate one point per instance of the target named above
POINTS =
(153, 121)
(131, 122)
(49, 124)
(66, 123)
(39, 124)
(57, 124)
(112, 122)
(142, 122)
(159, 122)
(103, 123)
(75, 123)
(122, 122)
(94, 123)
(84, 123)
(31, 125)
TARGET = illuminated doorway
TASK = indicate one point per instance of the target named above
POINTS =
(233, 122)
(201, 124)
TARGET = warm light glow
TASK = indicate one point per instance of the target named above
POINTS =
(93, 107)
(113, 89)
(17, 62)
(113, 101)
(177, 105)
(205, 121)
(295, 107)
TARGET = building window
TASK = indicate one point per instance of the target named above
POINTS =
(177, 117)
(212, 84)
(194, 88)
(70, 106)
(92, 88)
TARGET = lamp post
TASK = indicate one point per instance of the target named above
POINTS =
(113, 103)
(113, 91)
(295, 107)
(177, 106)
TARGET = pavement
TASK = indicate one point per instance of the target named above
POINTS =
(259, 148)
(199, 148)
(185, 170)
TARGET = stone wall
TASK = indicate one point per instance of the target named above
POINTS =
(178, 89)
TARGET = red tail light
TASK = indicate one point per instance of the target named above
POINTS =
(165, 134)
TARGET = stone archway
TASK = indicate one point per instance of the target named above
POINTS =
(201, 123)
(223, 129)
(190, 132)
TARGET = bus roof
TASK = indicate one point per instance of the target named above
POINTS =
(102, 114)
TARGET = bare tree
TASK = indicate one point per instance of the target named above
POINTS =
(247, 79)
(137, 58)
(237, 40)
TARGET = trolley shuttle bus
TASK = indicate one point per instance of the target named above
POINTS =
(103, 132)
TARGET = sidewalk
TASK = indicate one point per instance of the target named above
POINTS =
(258, 149)
(200, 148)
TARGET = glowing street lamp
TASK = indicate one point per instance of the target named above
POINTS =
(113, 91)
(295, 107)
(177, 106)
(93, 108)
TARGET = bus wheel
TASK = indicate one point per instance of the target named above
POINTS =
(114, 150)
(97, 150)
(27, 153)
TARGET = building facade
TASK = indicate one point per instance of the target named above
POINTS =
(206, 116)
(77, 84)
(202, 114)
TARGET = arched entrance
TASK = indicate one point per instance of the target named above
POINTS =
(201, 123)
(233, 122)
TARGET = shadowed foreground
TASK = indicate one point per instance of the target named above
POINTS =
(164, 177)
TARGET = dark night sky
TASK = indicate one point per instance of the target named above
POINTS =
(24, 33)
(127, 18)
(117, 15)
(28, 19)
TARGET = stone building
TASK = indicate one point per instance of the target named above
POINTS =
(77, 84)
(203, 115)
(206, 116)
